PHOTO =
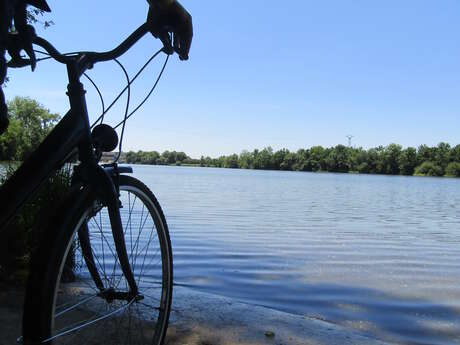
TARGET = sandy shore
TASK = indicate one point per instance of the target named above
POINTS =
(204, 319)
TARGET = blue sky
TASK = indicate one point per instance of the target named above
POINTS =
(285, 74)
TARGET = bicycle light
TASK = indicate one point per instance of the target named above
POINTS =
(105, 138)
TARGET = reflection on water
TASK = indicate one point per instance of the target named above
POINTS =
(377, 253)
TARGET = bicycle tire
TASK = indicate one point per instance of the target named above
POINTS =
(59, 299)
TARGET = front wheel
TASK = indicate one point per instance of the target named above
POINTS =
(66, 305)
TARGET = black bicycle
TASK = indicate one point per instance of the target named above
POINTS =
(103, 272)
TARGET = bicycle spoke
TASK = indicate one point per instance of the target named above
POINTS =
(139, 235)
(102, 244)
(153, 258)
(129, 221)
(77, 326)
(145, 256)
(102, 266)
(75, 306)
(87, 314)
(115, 256)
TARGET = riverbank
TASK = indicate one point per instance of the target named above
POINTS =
(352, 172)
(441, 160)
(204, 319)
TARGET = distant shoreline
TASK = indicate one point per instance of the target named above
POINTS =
(191, 165)
(441, 160)
(313, 172)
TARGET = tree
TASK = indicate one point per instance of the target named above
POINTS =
(317, 158)
(289, 162)
(263, 159)
(359, 161)
(375, 161)
(278, 158)
(150, 157)
(455, 154)
(246, 160)
(453, 169)
(338, 159)
(130, 157)
(408, 161)
(33, 17)
(231, 162)
(428, 169)
(206, 161)
(303, 160)
(181, 156)
(30, 123)
(442, 155)
(391, 159)
(425, 154)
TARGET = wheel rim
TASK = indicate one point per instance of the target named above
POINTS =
(81, 312)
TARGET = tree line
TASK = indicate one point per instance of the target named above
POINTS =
(30, 122)
(155, 158)
(441, 160)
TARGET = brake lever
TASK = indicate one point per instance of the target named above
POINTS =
(19, 41)
(166, 39)
(19, 62)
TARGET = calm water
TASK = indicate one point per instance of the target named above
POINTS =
(380, 254)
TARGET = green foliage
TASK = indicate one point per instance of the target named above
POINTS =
(428, 169)
(390, 160)
(21, 236)
(453, 169)
(246, 160)
(455, 154)
(407, 161)
(442, 155)
(231, 161)
(338, 159)
(34, 16)
(425, 154)
(155, 158)
(317, 158)
(30, 123)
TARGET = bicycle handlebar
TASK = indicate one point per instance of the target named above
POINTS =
(93, 57)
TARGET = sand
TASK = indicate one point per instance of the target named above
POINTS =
(204, 319)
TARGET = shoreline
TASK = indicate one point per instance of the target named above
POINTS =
(199, 318)
(207, 319)
(289, 171)
(4, 163)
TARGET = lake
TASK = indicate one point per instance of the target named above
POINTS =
(380, 254)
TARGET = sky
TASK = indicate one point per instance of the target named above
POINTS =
(270, 73)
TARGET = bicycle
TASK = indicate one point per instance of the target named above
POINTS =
(90, 269)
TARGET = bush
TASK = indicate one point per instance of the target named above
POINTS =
(428, 169)
(363, 168)
(453, 169)
(20, 238)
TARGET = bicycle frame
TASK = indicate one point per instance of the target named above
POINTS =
(72, 134)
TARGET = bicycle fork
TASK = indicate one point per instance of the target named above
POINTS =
(102, 183)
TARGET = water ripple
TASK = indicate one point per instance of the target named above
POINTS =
(377, 253)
